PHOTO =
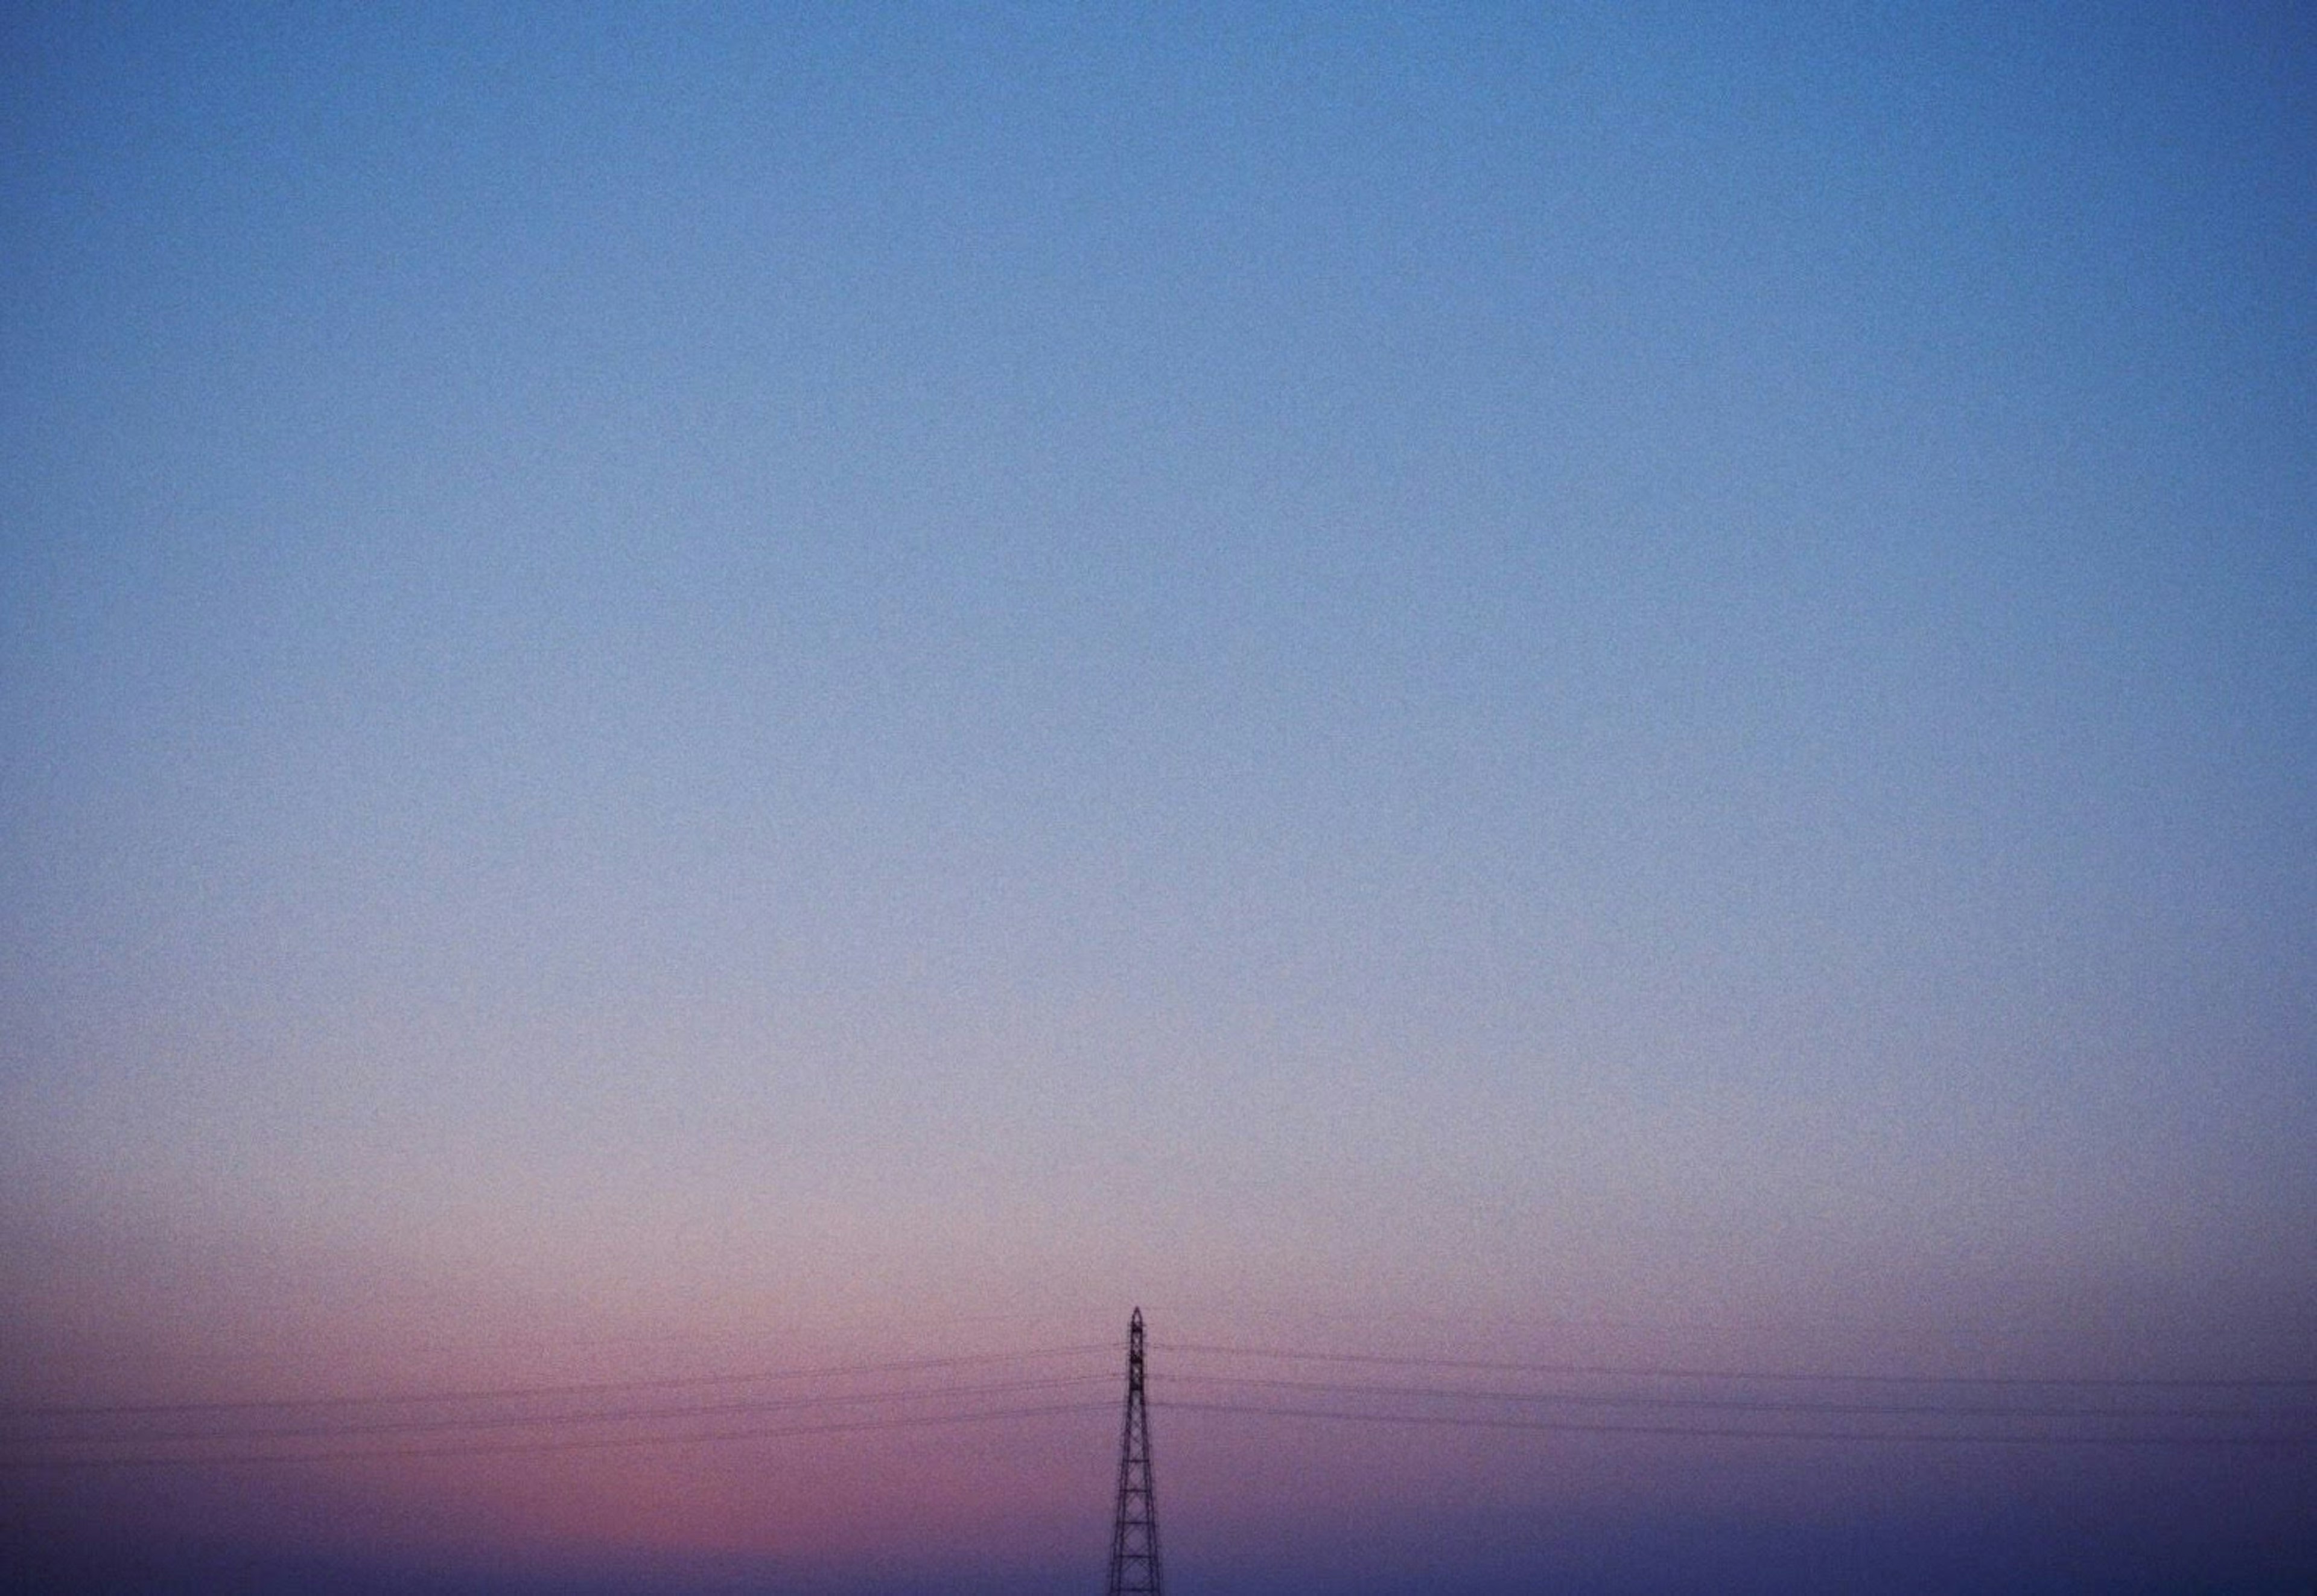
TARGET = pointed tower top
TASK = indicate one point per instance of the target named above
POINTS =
(1134, 1534)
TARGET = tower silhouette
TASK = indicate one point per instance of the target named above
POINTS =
(1134, 1533)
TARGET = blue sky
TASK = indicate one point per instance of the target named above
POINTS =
(1620, 681)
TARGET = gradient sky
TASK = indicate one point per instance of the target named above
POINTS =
(691, 690)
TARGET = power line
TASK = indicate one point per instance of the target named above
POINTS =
(110, 1435)
(546, 1420)
(1739, 1405)
(1736, 1432)
(567, 1444)
(1795, 1377)
(520, 1393)
(1629, 1371)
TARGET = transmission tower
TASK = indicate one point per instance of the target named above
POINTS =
(1134, 1534)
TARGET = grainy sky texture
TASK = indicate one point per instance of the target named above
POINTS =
(690, 692)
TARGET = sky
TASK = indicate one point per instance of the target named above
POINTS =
(707, 707)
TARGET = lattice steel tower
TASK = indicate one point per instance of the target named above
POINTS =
(1134, 1534)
